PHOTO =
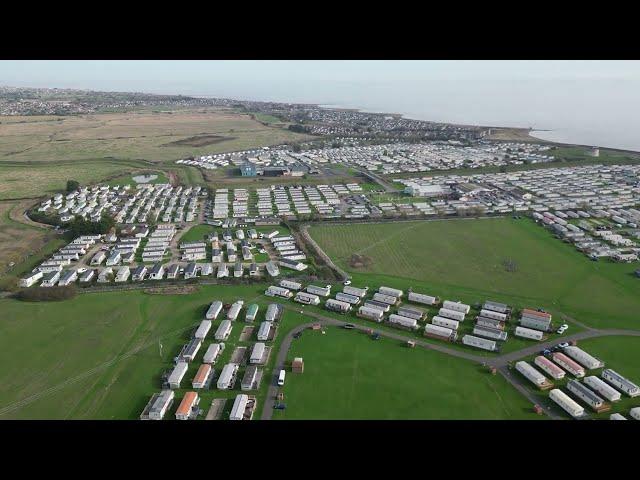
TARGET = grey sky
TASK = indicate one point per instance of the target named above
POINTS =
(599, 100)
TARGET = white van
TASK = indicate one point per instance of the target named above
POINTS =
(281, 378)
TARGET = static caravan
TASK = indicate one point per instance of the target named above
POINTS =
(185, 409)
(583, 357)
(31, 279)
(616, 416)
(252, 376)
(239, 407)
(404, 322)
(234, 311)
(345, 297)
(489, 322)
(456, 306)
(549, 367)
(437, 331)
(603, 388)
(203, 376)
(543, 324)
(445, 322)
(492, 333)
(213, 352)
(203, 329)
(214, 310)
(337, 306)
(321, 291)
(252, 312)
(566, 403)
(273, 312)
(635, 413)
(532, 374)
(158, 406)
(273, 291)
(478, 342)
(569, 365)
(257, 353)
(264, 331)
(370, 313)
(394, 292)
(224, 330)
(421, 298)
(290, 284)
(496, 307)
(223, 271)
(495, 315)
(358, 292)
(190, 350)
(621, 383)
(585, 394)
(388, 299)
(177, 375)
(452, 314)
(411, 312)
(384, 307)
(307, 298)
(227, 376)
(528, 333)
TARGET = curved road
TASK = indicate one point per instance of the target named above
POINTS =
(500, 362)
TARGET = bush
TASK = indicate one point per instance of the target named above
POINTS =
(72, 185)
(46, 294)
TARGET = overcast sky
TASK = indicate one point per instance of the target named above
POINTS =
(591, 97)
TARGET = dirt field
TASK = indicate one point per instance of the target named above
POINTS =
(154, 136)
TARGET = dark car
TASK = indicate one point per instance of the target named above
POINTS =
(297, 335)
(349, 326)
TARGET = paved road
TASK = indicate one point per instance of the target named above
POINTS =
(501, 362)
(379, 180)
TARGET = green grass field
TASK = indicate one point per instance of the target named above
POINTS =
(349, 376)
(464, 259)
(97, 356)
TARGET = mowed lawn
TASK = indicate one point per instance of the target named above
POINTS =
(97, 356)
(347, 375)
(466, 259)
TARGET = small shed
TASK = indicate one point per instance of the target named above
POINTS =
(411, 344)
(298, 365)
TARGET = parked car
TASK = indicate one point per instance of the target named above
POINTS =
(347, 282)
(349, 326)
(563, 345)
(563, 328)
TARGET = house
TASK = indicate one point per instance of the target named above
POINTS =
(128, 258)
(157, 272)
(30, 279)
(139, 273)
(248, 169)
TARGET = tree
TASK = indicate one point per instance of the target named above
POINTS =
(72, 185)
(296, 148)
(503, 168)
